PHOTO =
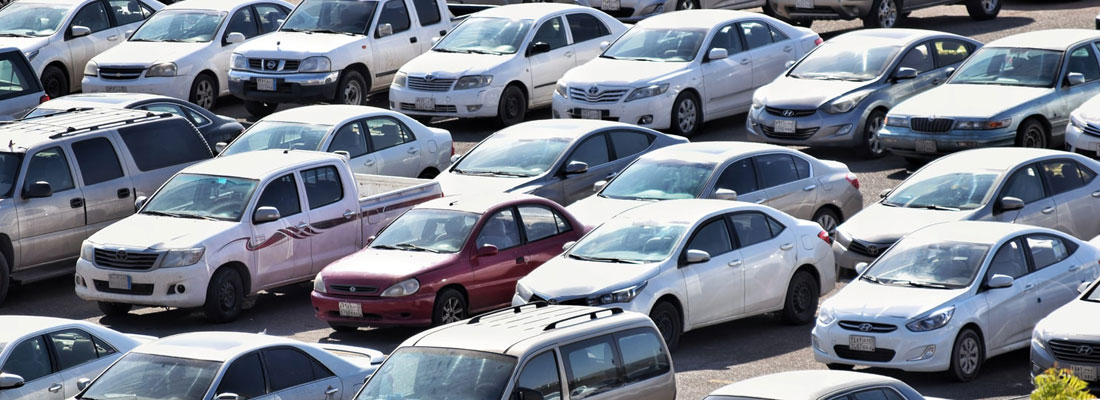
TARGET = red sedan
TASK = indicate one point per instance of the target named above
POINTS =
(443, 261)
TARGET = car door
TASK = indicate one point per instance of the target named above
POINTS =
(51, 228)
(919, 58)
(545, 232)
(495, 275)
(127, 15)
(769, 56)
(293, 374)
(1039, 207)
(541, 374)
(30, 359)
(432, 24)
(1080, 60)
(396, 151)
(727, 82)
(280, 250)
(949, 53)
(153, 159)
(740, 176)
(547, 67)
(594, 151)
(78, 356)
(332, 220)
(353, 139)
(20, 90)
(245, 378)
(588, 32)
(1006, 318)
(788, 189)
(715, 288)
(769, 255)
(1057, 273)
(1077, 208)
(392, 50)
(102, 37)
(108, 192)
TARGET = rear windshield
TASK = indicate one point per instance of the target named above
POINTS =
(164, 144)
(439, 373)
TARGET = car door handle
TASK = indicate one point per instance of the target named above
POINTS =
(412, 39)
(1073, 268)
(123, 193)
(349, 214)
(937, 81)
(809, 188)
(112, 38)
(745, 61)
(788, 49)
(1029, 287)
(761, 201)
(1048, 210)
(568, 54)
(1096, 193)
(55, 388)
(369, 162)
(520, 260)
(76, 203)
(331, 391)
(413, 150)
(734, 263)
(786, 246)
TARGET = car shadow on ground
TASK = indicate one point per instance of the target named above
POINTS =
(1010, 367)
(710, 348)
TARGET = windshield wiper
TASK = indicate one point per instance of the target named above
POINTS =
(385, 247)
(466, 172)
(328, 31)
(14, 35)
(180, 215)
(605, 259)
(607, 56)
(870, 278)
(411, 246)
(478, 51)
(503, 173)
(926, 284)
(935, 207)
(441, 50)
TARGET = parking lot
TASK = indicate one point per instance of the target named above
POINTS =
(707, 358)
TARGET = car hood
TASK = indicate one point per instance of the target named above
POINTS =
(805, 94)
(147, 54)
(156, 232)
(383, 266)
(557, 278)
(1067, 320)
(606, 71)
(296, 45)
(454, 184)
(867, 224)
(26, 43)
(454, 65)
(595, 210)
(904, 302)
(962, 100)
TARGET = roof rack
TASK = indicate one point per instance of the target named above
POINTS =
(591, 316)
(514, 310)
(80, 120)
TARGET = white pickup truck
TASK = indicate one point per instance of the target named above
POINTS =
(224, 229)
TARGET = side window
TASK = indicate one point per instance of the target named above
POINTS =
(777, 35)
(872, 394)
(541, 375)
(757, 34)
(395, 14)
(775, 170)
(740, 176)
(1082, 60)
(29, 359)
(539, 222)
(243, 22)
(49, 166)
(427, 11)
(643, 355)
(727, 38)
(127, 11)
(349, 138)
(918, 58)
(802, 166)
(500, 230)
(323, 186)
(775, 226)
(269, 16)
(585, 27)
(713, 237)
(1025, 185)
(281, 193)
(387, 132)
(73, 347)
(592, 151)
(1062, 176)
(1047, 250)
(551, 32)
(164, 144)
(629, 143)
(15, 79)
(288, 368)
(1009, 260)
(591, 367)
(751, 228)
(1085, 173)
(950, 51)
(244, 378)
(103, 349)
(97, 160)
(92, 16)
(193, 116)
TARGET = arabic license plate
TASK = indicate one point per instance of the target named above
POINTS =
(804, 4)
(116, 89)
(351, 309)
(591, 114)
(425, 103)
(1085, 372)
(861, 343)
(926, 145)
(118, 281)
(267, 84)
(611, 5)
(784, 126)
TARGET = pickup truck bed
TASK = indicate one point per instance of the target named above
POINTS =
(383, 198)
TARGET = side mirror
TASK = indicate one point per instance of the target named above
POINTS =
(1083, 287)
(487, 250)
(1075, 78)
(234, 38)
(905, 73)
(265, 214)
(725, 194)
(455, 158)
(526, 394)
(37, 190)
(860, 267)
(343, 153)
(129, 33)
(435, 40)
(598, 186)
(697, 256)
(576, 167)
(385, 30)
(228, 396)
(950, 71)
(1010, 203)
(370, 239)
(998, 281)
(10, 381)
(538, 48)
(78, 31)
(604, 45)
(139, 202)
(82, 383)
(717, 54)
(568, 245)
(884, 193)
(219, 147)
(788, 64)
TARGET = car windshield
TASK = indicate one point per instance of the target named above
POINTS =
(23, 19)
(202, 197)
(426, 229)
(664, 179)
(844, 61)
(38, 112)
(512, 155)
(191, 26)
(279, 135)
(630, 239)
(485, 35)
(1009, 66)
(663, 45)
(928, 262)
(331, 16)
(945, 186)
(9, 172)
(439, 373)
(153, 377)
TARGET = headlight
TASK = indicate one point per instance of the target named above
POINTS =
(561, 90)
(166, 69)
(403, 288)
(1038, 336)
(648, 91)
(618, 296)
(182, 257)
(757, 100)
(825, 316)
(523, 292)
(32, 54)
(319, 284)
(897, 120)
(653, 9)
(1077, 120)
(845, 103)
(937, 319)
(315, 64)
(400, 79)
(983, 125)
(87, 251)
(91, 69)
(473, 82)
(239, 62)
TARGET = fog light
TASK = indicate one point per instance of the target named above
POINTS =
(966, 144)
(80, 281)
(844, 130)
(1035, 368)
(929, 351)
(180, 288)
(645, 120)
(473, 108)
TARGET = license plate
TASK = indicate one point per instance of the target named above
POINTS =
(926, 146)
(591, 114)
(611, 5)
(351, 309)
(861, 343)
(267, 84)
(1085, 372)
(804, 3)
(784, 126)
(116, 89)
(118, 281)
(425, 103)
(1096, 146)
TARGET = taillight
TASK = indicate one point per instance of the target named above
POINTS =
(852, 180)
(43, 99)
(452, 149)
(823, 235)
(818, 41)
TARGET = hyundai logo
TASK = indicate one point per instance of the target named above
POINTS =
(872, 250)
(121, 255)
(351, 289)
(865, 327)
(271, 64)
(593, 90)
(788, 113)
(1084, 350)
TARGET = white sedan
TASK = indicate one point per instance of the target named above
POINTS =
(949, 296)
(502, 61)
(378, 141)
(60, 36)
(52, 358)
(183, 51)
(692, 263)
(1067, 339)
(678, 70)
(231, 365)
(817, 385)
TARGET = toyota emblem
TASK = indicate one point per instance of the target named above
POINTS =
(429, 77)
(872, 250)
(351, 289)
(865, 327)
(1084, 350)
(121, 255)
(552, 301)
(593, 90)
(788, 113)
(271, 64)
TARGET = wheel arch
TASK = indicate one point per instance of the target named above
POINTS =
(810, 269)
(363, 70)
(1047, 126)
(242, 270)
(523, 87)
(7, 250)
(675, 301)
(836, 209)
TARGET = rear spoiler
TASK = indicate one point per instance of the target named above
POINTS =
(376, 357)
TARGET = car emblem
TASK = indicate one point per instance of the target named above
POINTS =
(872, 250)
(788, 113)
(1084, 350)
(552, 301)
(351, 289)
(429, 77)
(121, 255)
(271, 64)
(593, 90)
(865, 327)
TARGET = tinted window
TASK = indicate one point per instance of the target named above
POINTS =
(775, 226)
(102, 348)
(713, 238)
(195, 118)
(727, 38)
(551, 32)
(244, 23)
(127, 11)
(539, 222)
(1047, 250)
(281, 193)
(591, 367)
(73, 347)
(500, 230)
(739, 177)
(269, 17)
(751, 228)
(97, 160)
(15, 79)
(628, 143)
(287, 368)
(323, 186)
(643, 355)
(387, 132)
(757, 34)
(777, 35)
(586, 27)
(244, 378)
(541, 374)
(92, 16)
(1009, 260)
(1086, 174)
(1025, 185)
(918, 58)
(349, 138)
(49, 166)
(950, 51)
(395, 14)
(29, 359)
(427, 11)
(592, 151)
(164, 144)
(869, 394)
(1082, 60)
(776, 169)
(802, 166)
(1062, 176)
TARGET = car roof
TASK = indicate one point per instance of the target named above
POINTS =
(686, 210)
(326, 114)
(527, 10)
(119, 100)
(19, 325)
(714, 152)
(560, 128)
(20, 135)
(1050, 39)
(479, 203)
(1000, 158)
(261, 163)
(816, 384)
(220, 5)
(891, 36)
(211, 346)
(984, 232)
(697, 19)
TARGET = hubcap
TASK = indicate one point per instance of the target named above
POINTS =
(453, 311)
(353, 93)
(968, 355)
(204, 94)
(887, 13)
(873, 141)
(686, 115)
(1033, 138)
(53, 88)
(989, 5)
(664, 325)
(687, 4)
(227, 294)
(511, 107)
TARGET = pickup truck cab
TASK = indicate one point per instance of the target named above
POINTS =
(232, 226)
(334, 51)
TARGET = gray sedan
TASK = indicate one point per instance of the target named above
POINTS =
(839, 94)
(556, 159)
(1047, 188)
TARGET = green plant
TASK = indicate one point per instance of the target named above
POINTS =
(1060, 384)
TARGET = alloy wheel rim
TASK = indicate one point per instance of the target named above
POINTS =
(828, 223)
(887, 13)
(687, 4)
(873, 141)
(968, 355)
(686, 115)
(353, 93)
(989, 5)
(227, 295)
(1033, 138)
(452, 311)
(204, 94)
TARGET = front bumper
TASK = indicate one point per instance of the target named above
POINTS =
(1085, 143)
(657, 109)
(155, 287)
(631, 10)
(847, 259)
(415, 310)
(1042, 359)
(289, 88)
(818, 129)
(903, 141)
(468, 103)
(900, 349)
(824, 9)
(176, 86)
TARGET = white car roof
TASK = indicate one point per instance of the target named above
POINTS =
(715, 152)
(211, 346)
(689, 210)
(559, 128)
(477, 203)
(890, 36)
(984, 232)
(110, 100)
(326, 114)
(698, 19)
(19, 326)
(219, 5)
(801, 385)
(1050, 39)
(1000, 158)
(527, 10)
(260, 164)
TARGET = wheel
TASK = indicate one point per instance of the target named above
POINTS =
(884, 14)
(669, 323)
(259, 108)
(800, 304)
(342, 328)
(686, 5)
(513, 106)
(983, 10)
(428, 174)
(839, 367)
(224, 296)
(204, 92)
(5, 278)
(450, 306)
(114, 309)
(352, 89)
(828, 220)
(687, 116)
(967, 356)
(872, 145)
(54, 82)
(1032, 134)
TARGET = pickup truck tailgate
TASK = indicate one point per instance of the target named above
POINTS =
(383, 198)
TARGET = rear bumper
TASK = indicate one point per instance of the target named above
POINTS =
(413, 311)
(289, 88)
(824, 9)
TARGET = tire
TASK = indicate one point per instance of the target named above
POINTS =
(352, 89)
(5, 278)
(512, 108)
(450, 306)
(872, 146)
(114, 309)
(259, 108)
(839, 367)
(669, 322)
(884, 14)
(428, 174)
(204, 92)
(687, 115)
(800, 303)
(54, 82)
(687, 5)
(828, 219)
(913, 163)
(983, 10)
(1033, 134)
(967, 356)
(343, 328)
(224, 296)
